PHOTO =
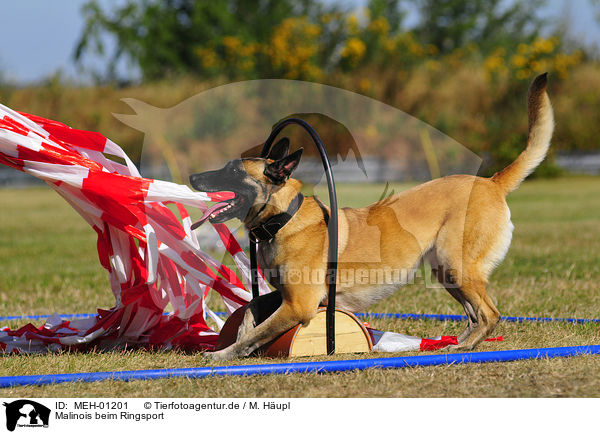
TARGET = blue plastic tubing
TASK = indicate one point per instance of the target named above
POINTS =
(438, 317)
(38, 317)
(441, 317)
(308, 367)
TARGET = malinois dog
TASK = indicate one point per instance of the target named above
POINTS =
(459, 223)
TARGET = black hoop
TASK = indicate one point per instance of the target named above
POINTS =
(332, 227)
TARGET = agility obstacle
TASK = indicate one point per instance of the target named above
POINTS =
(332, 223)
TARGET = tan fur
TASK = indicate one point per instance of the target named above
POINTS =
(541, 126)
(460, 223)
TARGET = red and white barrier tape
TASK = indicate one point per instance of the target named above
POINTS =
(152, 257)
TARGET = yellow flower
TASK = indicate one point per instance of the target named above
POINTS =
(493, 63)
(208, 57)
(380, 26)
(248, 50)
(326, 18)
(352, 22)
(247, 65)
(292, 47)
(522, 49)
(537, 66)
(522, 74)
(500, 51)
(354, 50)
(416, 49)
(432, 65)
(232, 46)
(518, 60)
(432, 49)
(371, 131)
(576, 57)
(364, 84)
(389, 45)
(542, 45)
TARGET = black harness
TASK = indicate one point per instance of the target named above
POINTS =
(266, 231)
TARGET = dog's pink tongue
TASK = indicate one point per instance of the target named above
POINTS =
(208, 212)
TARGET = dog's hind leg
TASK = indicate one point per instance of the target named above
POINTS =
(444, 275)
(486, 314)
(478, 263)
(466, 281)
(471, 315)
(481, 313)
(468, 287)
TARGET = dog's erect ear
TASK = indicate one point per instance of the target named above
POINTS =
(279, 171)
(279, 149)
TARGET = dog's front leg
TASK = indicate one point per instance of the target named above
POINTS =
(259, 309)
(282, 320)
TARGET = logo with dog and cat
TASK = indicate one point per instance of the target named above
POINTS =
(25, 413)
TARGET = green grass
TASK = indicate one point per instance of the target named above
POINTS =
(49, 264)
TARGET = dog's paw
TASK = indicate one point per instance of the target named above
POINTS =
(458, 348)
(447, 349)
(218, 355)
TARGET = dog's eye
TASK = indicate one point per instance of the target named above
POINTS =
(231, 168)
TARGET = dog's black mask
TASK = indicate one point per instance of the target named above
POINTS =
(232, 178)
(251, 179)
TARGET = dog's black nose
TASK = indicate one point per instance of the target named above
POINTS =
(197, 180)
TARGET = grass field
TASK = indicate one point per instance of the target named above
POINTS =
(49, 264)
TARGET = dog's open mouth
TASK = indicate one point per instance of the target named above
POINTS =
(218, 213)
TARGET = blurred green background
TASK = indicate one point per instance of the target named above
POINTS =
(461, 66)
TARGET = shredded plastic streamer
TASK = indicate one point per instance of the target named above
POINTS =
(153, 259)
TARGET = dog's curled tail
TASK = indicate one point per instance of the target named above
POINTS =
(541, 125)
